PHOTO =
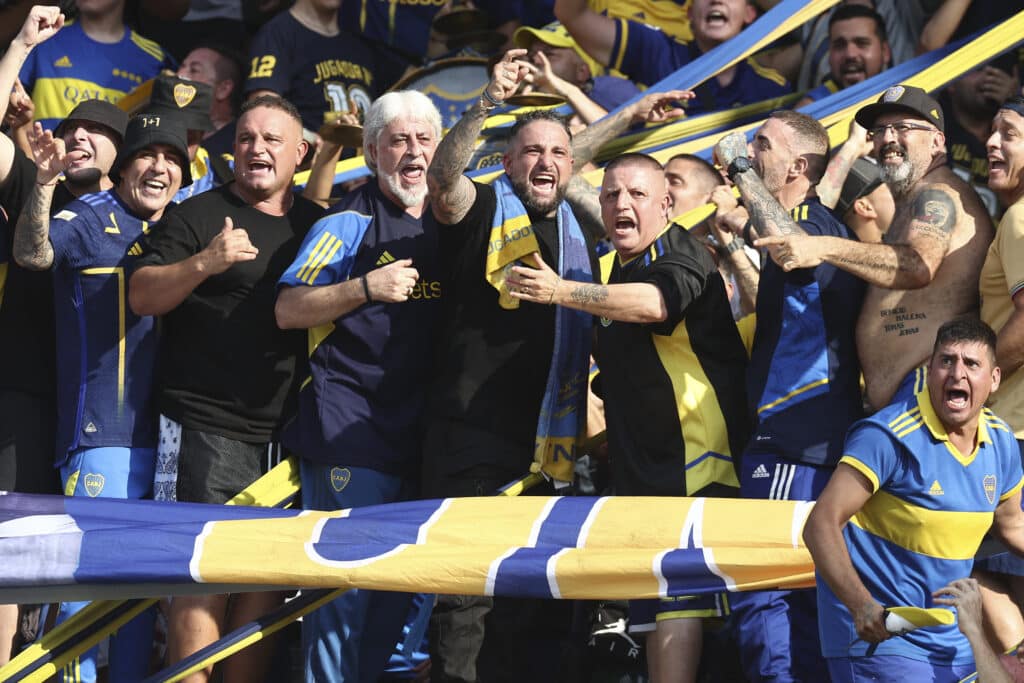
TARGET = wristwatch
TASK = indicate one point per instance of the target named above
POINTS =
(738, 165)
(735, 244)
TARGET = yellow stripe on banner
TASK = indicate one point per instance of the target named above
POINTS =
(921, 530)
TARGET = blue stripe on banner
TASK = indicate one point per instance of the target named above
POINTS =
(560, 528)
(161, 539)
(693, 565)
(352, 539)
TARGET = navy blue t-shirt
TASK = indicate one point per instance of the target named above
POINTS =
(314, 72)
(803, 381)
(368, 373)
(647, 55)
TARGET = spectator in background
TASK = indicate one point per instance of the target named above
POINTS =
(858, 49)
(965, 596)
(227, 373)
(96, 57)
(106, 417)
(937, 456)
(563, 68)
(865, 202)
(646, 55)
(971, 102)
(190, 103)
(672, 367)
(370, 271)
(1002, 307)
(304, 56)
(803, 384)
(220, 69)
(691, 181)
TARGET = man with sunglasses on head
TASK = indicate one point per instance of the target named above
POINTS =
(926, 269)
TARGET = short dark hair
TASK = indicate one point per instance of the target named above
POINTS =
(705, 169)
(230, 67)
(844, 12)
(271, 102)
(635, 159)
(966, 328)
(539, 115)
(812, 140)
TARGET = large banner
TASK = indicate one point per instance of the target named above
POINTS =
(552, 547)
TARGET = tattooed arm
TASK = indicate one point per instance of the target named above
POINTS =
(831, 185)
(32, 248)
(584, 200)
(910, 264)
(653, 108)
(451, 193)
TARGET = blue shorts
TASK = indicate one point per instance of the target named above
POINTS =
(895, 669)
(109, 472)
(766, 476)
(645, 614)
(352, 637)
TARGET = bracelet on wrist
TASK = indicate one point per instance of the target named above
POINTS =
(366, 289)
(487, 96)
(735, 244)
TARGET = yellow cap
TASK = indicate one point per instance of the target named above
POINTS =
(555, 35)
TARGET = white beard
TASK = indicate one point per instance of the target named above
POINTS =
(407, 196)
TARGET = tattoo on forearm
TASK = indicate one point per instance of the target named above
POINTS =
(934, 213)
(586, 144)
(455, 148)
(767, 215)
(589, 294)
(32, 246)
(584, 200)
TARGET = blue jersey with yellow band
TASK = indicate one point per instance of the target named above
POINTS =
(369, 368)
(203, 177)
(923, 524)
(647, 55)
(803, 380)
(72, 67)
(106, 354)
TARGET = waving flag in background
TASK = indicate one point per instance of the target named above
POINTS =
(531, 546)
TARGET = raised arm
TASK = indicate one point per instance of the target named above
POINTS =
(32, 248)
(766, 214)
(910, 264)
(965, 595)
(846, 493)
(41, 23)
(592, 31)
(156, 290)
(451, 192)
(856, 146)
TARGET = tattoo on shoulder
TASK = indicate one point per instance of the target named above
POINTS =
(934, 213)
(589, 294)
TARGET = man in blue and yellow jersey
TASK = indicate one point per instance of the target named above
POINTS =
(803, 383)
(106, 355)
(647, 55)
(96, 57)
(918, 486)
(366, 283)
(672, 377)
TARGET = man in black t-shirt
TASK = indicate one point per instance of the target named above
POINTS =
(227, 374)
(490, 376)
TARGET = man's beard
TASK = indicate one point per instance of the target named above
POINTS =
(82, 177)
(899, 178)
(533, 205)
(407, 196)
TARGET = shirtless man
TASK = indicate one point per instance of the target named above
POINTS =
(925, 271)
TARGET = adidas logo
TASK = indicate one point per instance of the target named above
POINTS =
(760, 473)
(936, 489)
(63, 62)
(385, 259)
(90, 428)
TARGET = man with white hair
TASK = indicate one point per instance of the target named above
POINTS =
(365, 283)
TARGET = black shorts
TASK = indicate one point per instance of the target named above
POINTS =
(214, 468)
(27, 427)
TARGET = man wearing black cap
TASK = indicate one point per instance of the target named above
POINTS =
(106, 355)
(926, 271)
(190, 101)
(865, 203)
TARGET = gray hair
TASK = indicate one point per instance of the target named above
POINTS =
(390, 106)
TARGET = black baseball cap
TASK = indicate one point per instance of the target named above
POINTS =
(190, 99)
(862, 180)
(146, 130)
(97, 111)
(903, 98)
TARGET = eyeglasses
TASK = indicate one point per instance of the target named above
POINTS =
(900, 128)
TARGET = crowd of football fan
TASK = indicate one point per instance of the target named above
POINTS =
(178, 314)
